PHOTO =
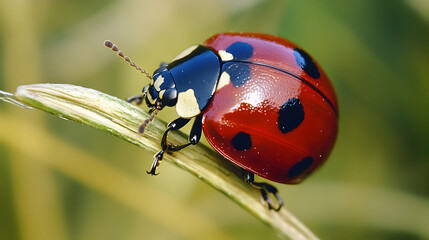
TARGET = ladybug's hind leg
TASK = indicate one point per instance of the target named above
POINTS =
(177, 124)
(265, 189)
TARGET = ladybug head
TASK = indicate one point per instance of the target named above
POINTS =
(161, 92)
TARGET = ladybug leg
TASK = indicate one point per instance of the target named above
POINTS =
(265, 189)
(157, 159)
(194, 136)
(174, 125)
(177, 124)
(137, 99)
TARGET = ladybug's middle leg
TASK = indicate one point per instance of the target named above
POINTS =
(265, 189)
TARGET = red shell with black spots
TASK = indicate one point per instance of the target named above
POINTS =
(274, 112)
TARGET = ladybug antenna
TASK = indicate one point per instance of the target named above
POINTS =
(115, 48)
(146, 122)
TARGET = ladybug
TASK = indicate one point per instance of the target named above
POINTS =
(262, 101)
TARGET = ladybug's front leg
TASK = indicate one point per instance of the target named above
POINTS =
(177, 124)
(157, 159)
(137, 99)
(194, 136)
(265, 189)
(174, 125)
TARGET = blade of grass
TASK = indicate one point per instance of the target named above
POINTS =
(100, 176)
(121, 119)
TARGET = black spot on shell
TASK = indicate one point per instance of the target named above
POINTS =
(242, 141)
(291, 115)
(300, 167)
(240, 50)
(238, 72)
(306, 63)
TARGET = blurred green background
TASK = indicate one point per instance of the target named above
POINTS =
(60, 180)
